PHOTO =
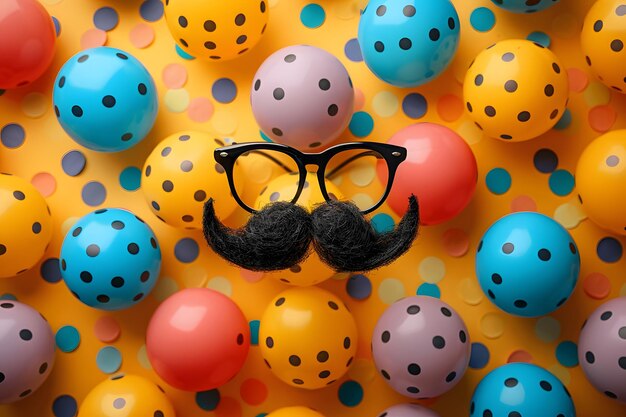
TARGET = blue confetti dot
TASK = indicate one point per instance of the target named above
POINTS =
(67, 339)
(609, 250)
(186, 250)
(353, 50)
(265, 137)
(57, 26)
(73, 163)
(546, 161)
(479, 357)
(254, 332)
(130, 178)
(12, 135)
(498, 181)
(64, 406)
(482, 19)
(414, 105)
(208, 400)
(561, 182)
(359, 287)
(105, 18)
(350, 393)
(261, 415)
(109, 360)
(8, 296)
(183, 54)
(430, 290)
(361, 124)
(383, 223)
(151, 10)
(564, 121)
(567, 354)
(50, 270)
(312, 16)
(94, 193)
(541, 38)
(224, 90)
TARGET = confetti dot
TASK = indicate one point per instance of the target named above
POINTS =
(12, 135)
(414, 105)
(520, 356)
(390, 290)
(109, 359)
(93, 193)
(578, 79)
(200, 109)
(224, 90)
(93, 38)
(34, 105)
(385, 104)
(498, 181)
(177, 100)
(359, 287)
(567, 354)
(221, 284)
(597, 286)
(151, 10)
(64, 406)
(479, 357)
(602, 118)
(362, 200)
(609, 250)
(361, 124)
(107, 329)
(312, 16)
(251, 276)
(492, 325)
(67, 339)
(50, 270)
(362, 175)
(184, 55)
(45, 183)
(546, 161)
(523, 203)
(57, 26)
(429, 290)
(565, 121)
(382, 223)
(350, 393)
(450, 108)
(456, 242)
(174, 76)
(73, 163)
(353, 50)
(570, 214)
(540, 37)
(561, 182)
(130, 178)
(142, 358)
(597, 94)
(186, 250)
(470, 291)
(253, 391)
(482, 19)
(142, 35)
(254, 332)
(548, 329)
(105, 18)
(359, 99)
(208, 400)
(432, 269)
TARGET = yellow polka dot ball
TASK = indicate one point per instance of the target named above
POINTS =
(601, 181)
(516, 90)
(312, 271)
(180, 175)
(308, 337)
(603, 38)
(216, 29)
(26, 226)
(295, 412)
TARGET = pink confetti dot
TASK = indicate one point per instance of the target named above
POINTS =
(200, 109)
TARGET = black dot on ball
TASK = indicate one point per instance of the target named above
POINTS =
(405, 44)
(549, 90)
(241, 39)
(490, 111)
(277, 131)
(414, 369)
(257, 85)
(183, 42)
(83, 58)
(290, 58)
(18, 195)
(138, 297)
(520, 303)
(210, 45)
(478, 80)
(278, 93)
(545, 385)
(496, 278)
(385, 374)
(414, 309)
(126, 137)
(57, 111)
(556, 68)
(508, 248)
(606, 315)
(25, 393)
(103, 298)
(269, 342)
(117, 225)
(26, 334)
(491, 294)
(597, 26)
(514, 414)
(324, 374)
(380, 11)
(36, 228)
(142, 89)
(322, 356)
(469, 107)
(240, 19)
(93, 250)
(182, 21)
(121, 56)
(333, 305)
(346, 343)
(385, 336)
(451, 23)
(508, 57)
(510, 86)
(413, 390)
(333, 109)
(622, 362)
(294, 360)
(145, 276)
(523, 116)
(409, 11)
(158, 413)
(510, 382)
(298, 381)
(210, 26)
(439, 342)
(117, 282)
(240, 339)
(446, 312)
(610, 394)
(379, 46)
(43, 368)
(434, 34)
(168, 186)
(61, 82)
(451, 376)
(462, 336)
(262, 7)
(324, 84)
(590, 357)
(133, 248)
(617, 45)
(544, 254)
(77, 111)
(86, 277)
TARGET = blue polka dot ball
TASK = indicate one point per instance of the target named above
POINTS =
(110, 259)
(105, 99)
(527, 264)
(525, 6)
(408, 42)
(521, 390)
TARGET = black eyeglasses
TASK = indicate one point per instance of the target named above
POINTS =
(374, 159)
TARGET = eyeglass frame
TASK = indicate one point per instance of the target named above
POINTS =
(393, 155)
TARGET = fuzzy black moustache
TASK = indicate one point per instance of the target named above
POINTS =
(280, 235)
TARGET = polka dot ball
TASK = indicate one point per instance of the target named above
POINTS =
(525, 6)
(110, 259)
(515, 90)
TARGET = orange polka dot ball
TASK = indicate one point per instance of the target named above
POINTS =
(295, 412)
(216, 30)
(308, 337)
(603, 38)
(180, 175)
(601, 180)
(26, 226)
(516, 90)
